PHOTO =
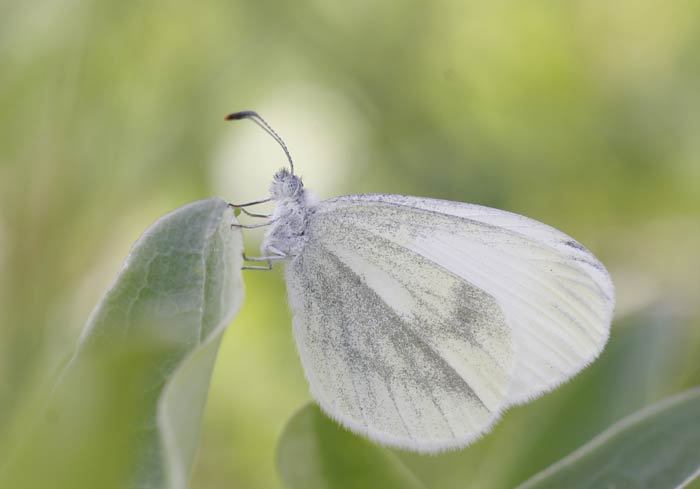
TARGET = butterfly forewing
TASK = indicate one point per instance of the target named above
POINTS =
(556, 296)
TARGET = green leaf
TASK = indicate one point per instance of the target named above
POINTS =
(658, 446)
(126, 412)
(316, 453)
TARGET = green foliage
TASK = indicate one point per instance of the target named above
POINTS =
(657, 447)
(583, 115)
(315, 453)
(127, 409)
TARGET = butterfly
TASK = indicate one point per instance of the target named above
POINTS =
(419, 321)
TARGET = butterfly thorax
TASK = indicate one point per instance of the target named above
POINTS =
(293, 206)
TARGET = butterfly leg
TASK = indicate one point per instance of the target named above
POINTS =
(268, 259)
(254, 267)
(263, 258)
(251, 226)
(247, 204)
(253, 214)
(257, 259)
(277, 255)
(275, 251)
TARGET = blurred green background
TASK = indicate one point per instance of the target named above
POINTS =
(584, 115)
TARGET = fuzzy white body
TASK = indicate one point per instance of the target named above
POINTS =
(294, 205)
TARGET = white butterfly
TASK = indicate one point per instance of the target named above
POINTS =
(419, 321)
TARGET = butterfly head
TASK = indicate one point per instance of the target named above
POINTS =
(286, 185)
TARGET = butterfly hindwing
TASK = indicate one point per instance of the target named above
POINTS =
(394, 346)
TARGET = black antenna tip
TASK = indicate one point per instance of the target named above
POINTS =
(255, 117)
(237, 116)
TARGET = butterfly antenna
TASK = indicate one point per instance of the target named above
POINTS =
(255, 117)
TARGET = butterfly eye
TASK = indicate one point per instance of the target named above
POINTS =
(292, 187)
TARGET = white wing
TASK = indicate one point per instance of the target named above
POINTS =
(555, 295)
(394, 346)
